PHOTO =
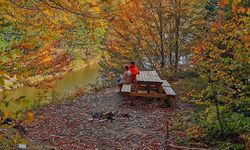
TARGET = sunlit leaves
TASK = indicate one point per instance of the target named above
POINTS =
(1, 82)
(37, 27)
(222, 62)
(30, 117)
(236, 6)
(223, 3)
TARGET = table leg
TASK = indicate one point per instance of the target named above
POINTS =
(160, 91)
(137, 87)
(174, 102)
(148, 88)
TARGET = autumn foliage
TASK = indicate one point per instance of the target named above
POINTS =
(205, 39)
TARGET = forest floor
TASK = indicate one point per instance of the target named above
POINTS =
(103, 120)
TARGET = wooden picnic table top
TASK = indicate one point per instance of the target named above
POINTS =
(163, 88)
(151, 77)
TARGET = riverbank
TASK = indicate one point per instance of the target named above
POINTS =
(48, 81)
(74, 66)
(17, 102)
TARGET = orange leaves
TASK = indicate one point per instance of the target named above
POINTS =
(235, 6)
(137, 3)
(215, 26)
(30, 117)
(26, 46)
(200, 48)
(237, 10)
(130, 18)
(223, 3)
(198, 53)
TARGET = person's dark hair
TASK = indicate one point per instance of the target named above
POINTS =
(126, 67)
(132, 62)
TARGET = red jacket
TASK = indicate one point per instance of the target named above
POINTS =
(134, 71)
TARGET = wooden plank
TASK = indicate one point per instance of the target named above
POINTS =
(155, 73)
(157, 78)
(148, 77)
(171, 146)
(148, 72)
(126, 88)
(153, 95)
(152, 73)
(151, 77)
(143, 76)
(165, 83)
(169, 91)
(142, 91)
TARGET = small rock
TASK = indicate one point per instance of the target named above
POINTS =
(126, 115)
(109, 115)
(22, 146)
(96, 115)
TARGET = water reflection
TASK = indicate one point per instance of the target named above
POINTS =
(70, 83)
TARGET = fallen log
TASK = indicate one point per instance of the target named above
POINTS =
(175, 147)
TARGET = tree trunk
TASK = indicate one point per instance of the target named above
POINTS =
(160, 15)
(177, 32)
(219, 119)
(214, 99)
(170, 44)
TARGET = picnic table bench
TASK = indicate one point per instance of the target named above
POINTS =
(149, 84)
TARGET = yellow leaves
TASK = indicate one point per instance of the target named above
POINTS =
(25, 75)
(101, 24)
(2, 72)
(222, 74)
(3, 3)
(236, 2)
(199, 102)
(6, 114)
(47, 59)
(18, 77)
(248, 11)
(66, 19)
(196, 132)
(48, 12)
(93, 2)
(96, 9)
(30, 117)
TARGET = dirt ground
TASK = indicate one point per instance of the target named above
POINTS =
(103, 120)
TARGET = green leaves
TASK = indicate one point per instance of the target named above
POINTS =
(5, 24)
(222, 62)
(1, 82)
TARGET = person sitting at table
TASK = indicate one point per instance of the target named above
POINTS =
(125, 79)
(134, 71)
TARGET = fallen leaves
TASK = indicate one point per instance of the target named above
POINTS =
(67, 125)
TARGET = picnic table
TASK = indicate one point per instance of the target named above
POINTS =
(149, 84)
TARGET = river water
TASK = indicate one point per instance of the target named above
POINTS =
(70, 83)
